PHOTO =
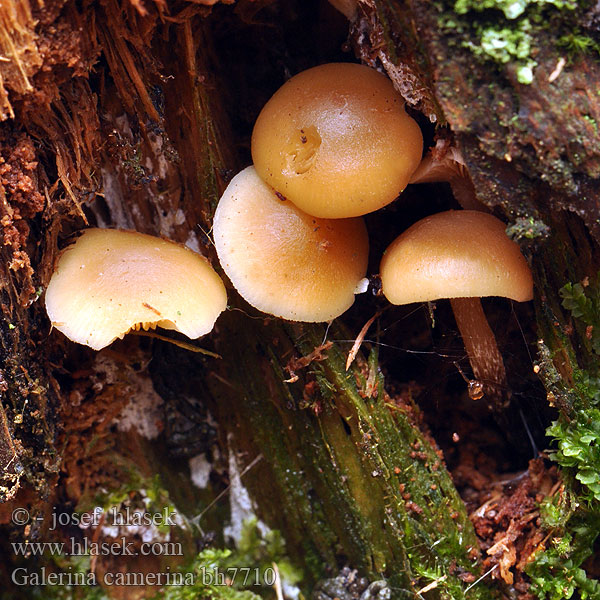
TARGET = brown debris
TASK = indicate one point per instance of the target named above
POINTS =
(414, 507)
(371, 33)
(295, 364)
(10, 466)
(34, 64)
(97, 397)
(19, 56)
(18, 176)
(123, 35)
(507, 522)
(359, 340)
(87, 438)
(19, 200)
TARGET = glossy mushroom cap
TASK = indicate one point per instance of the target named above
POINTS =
(336, 141)
(455, 254)
(283, 261)
(109, 282)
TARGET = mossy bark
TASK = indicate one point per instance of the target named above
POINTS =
(531, 144)
(346, 469)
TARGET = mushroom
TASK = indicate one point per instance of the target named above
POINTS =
(109, 282)
(444, 163)
(336, 141)
(347, 7)
(461, 255)
(283, 261)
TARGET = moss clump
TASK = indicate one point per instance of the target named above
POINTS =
(556, 572)
(578, 438)
(583, 301)
(576, 43)
(78, 568)
(511, 8)
(578, 449)
(505, 45)
(572, 515)
(503, 30)
(527, 228)
(246, 572)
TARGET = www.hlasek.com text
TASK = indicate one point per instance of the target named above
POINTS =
(85, 547)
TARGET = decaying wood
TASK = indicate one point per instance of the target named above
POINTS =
(20, 57)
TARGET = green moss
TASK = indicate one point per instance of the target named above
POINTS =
(243, 573)
(583, 301)
(592, 122)
(502, 30)
(76, 567)
(576, 43)
(505, 44)
(136, 491)
(578, 450)
(556, 572)
(528, 228)
(432, 528)
(572, 515)
(511, 8)
(577, 439)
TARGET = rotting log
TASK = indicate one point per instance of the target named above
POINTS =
(517, 93)
(346, 468)
(128, 128)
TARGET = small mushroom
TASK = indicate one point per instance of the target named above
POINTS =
(109, 282)
(336, 141)
(283, 261)
(444, 163)
(462, 255)
(347, 7)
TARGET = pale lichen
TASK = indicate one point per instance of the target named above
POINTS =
(509, 39)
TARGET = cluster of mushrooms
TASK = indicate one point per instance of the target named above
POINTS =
(334, 143)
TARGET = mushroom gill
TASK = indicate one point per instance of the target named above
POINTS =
(109, 282)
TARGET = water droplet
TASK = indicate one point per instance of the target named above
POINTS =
(475, 389)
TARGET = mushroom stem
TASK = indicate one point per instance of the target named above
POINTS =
(464, 192)
(443, 164)
(480, 343)
(346, 7)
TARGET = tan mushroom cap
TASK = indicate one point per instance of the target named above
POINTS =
(283, 261)
(336, 141)
(455, 254)
(109, 282)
